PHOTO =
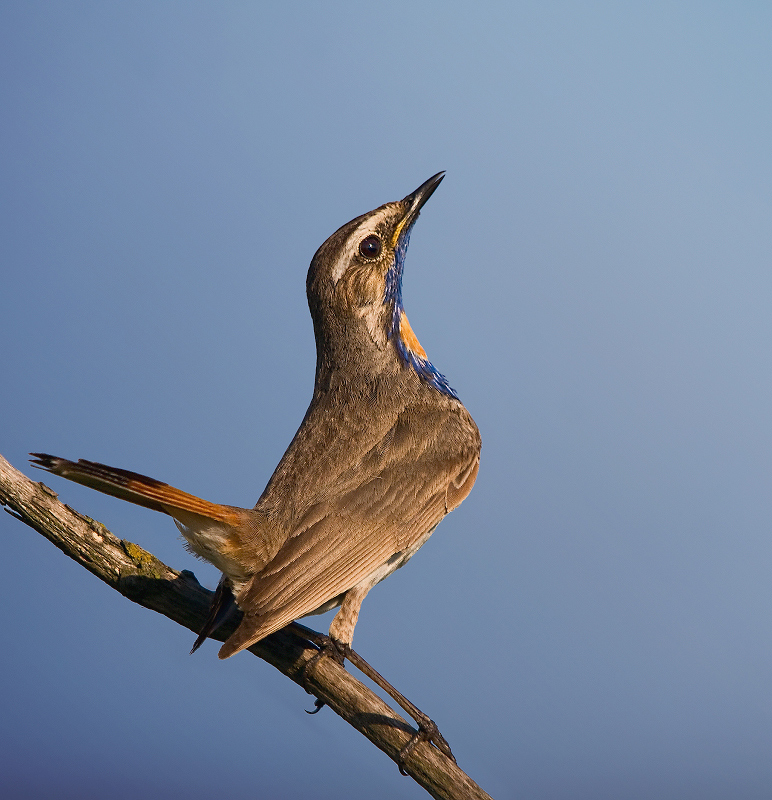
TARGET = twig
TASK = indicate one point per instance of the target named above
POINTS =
(142, 578)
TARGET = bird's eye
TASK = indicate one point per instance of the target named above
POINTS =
(370, 246)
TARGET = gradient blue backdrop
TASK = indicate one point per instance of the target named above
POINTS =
(594, 276)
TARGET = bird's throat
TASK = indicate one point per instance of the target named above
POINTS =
(409, 339)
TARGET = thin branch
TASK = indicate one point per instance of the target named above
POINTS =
(142, 578)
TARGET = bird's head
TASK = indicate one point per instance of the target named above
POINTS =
(354, 288)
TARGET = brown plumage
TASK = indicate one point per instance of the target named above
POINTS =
(384, 452)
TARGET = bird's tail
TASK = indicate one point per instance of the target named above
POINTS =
(213, 532)
(134, 487)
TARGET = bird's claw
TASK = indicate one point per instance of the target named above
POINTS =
(427, 732)
(319, 704)
(329, 648)
(339, 651)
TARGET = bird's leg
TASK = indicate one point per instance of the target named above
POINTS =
(341, 634)
(427, 728)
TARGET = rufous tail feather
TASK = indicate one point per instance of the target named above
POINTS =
(132, 486)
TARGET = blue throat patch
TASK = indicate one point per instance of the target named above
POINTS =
(393, 294)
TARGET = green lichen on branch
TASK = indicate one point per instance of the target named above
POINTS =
(146, 563)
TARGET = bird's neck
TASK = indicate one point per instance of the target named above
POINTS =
(413, 356)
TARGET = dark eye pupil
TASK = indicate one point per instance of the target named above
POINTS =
(370, 246)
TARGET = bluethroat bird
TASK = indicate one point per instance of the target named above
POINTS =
(386, 449)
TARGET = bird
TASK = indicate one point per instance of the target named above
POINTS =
(385, 451)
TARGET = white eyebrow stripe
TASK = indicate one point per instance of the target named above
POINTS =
(365, 228)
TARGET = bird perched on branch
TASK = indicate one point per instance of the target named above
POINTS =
(385, 451)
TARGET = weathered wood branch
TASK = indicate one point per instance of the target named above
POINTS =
(142, 578)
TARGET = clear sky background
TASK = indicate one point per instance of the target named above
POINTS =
(594, 276)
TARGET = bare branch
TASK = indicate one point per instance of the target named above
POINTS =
(141, 577)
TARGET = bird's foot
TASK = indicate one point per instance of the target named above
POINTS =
(339, 652)
(427, 728)
(427, 732)
(328, 648)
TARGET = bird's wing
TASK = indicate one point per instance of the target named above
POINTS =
(420, 471)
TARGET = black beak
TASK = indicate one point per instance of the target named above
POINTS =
(416, 200)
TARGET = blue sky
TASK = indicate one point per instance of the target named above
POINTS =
(593, 276)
